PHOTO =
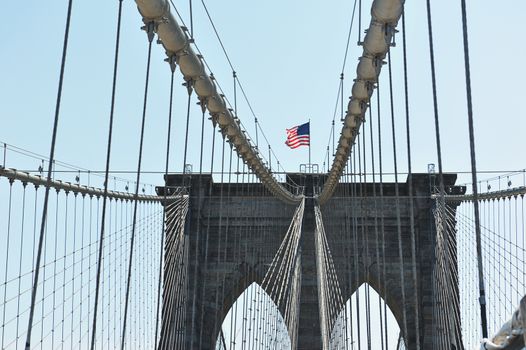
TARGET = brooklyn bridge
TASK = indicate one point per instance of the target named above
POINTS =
(144, 205)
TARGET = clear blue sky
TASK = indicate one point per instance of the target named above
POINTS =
(288, 56)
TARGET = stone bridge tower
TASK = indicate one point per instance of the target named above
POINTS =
(256, 220)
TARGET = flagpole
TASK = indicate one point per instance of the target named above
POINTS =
(310, 165)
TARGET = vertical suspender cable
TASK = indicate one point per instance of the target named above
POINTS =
(233, 329)
(257, 137)
(82, 237)
(106, 177)
(480, 266)
(54, 290)
(441, 204)
(167, 162)
(74, 265)
(137, 184)
(64, 270)
(119, 204)
(233, 317)
(345, 318)
(382, 222)
(226, 243)
(24, 184)
(189, 88)
(397, 198)
(365, 233)
(34, 228)
(217, 325)
(251, 333)
(435, 100)
(356, 251)
(201, 321)
(198, 239)
(48, 182)
(359, 22)
(347, 252)
(9, 206)
(410, 189)
(376, 233)
(328, 161)
(191, 19)
(245, 293)
(332, 134)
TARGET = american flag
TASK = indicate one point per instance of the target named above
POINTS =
(298, 136)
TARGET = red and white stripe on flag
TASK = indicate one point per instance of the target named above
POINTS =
(298, 136)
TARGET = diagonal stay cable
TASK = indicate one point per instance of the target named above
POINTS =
(340, 84)
(217, 35)
(243, 92)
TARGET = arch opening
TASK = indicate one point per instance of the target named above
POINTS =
(366, 319)
(253, 321)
